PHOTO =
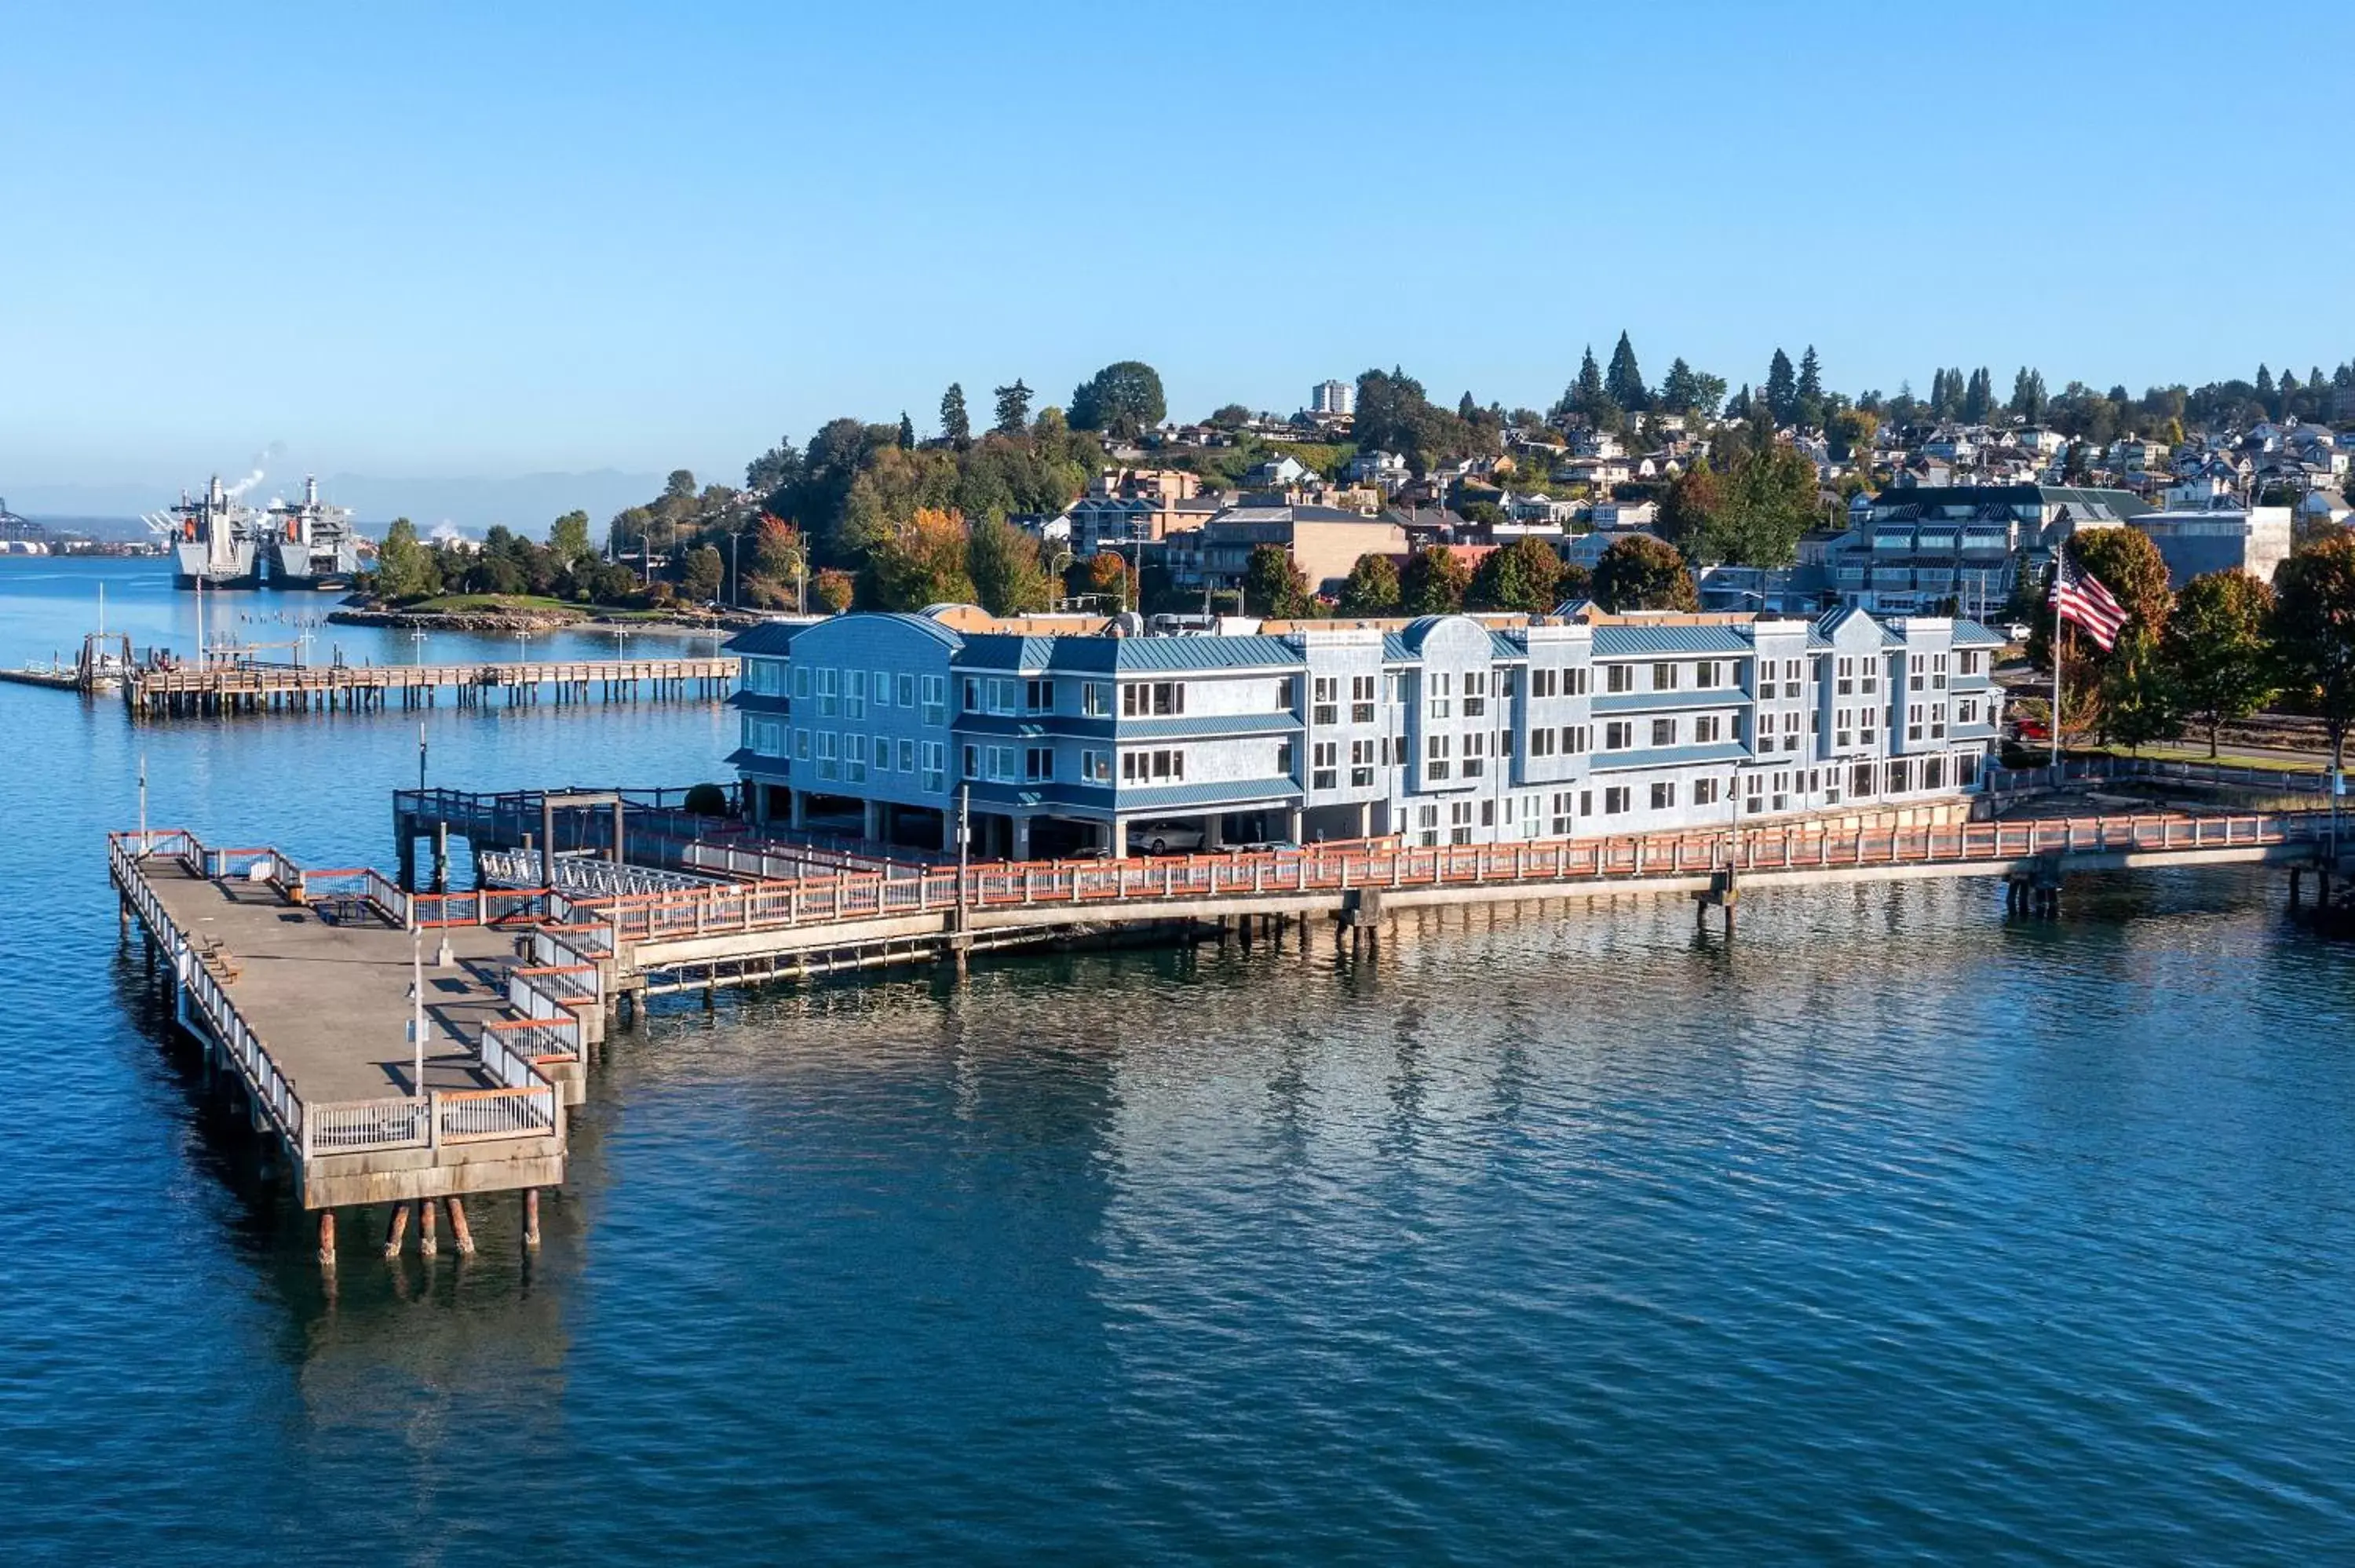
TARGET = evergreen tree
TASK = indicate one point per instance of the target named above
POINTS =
(1465, 408)
(1979, 397)
(955, 427)
(1013, 408)
(2313, 630)
(907, 432)
(1589, 398)
(1624, 383)
(1807, 403)
(1738, 406)
(1782, 388)
(1002, 562)
(2028, 398)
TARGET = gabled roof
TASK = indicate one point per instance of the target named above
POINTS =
(1617, 640)
(770, 639)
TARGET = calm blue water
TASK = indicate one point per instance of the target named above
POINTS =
(1896, 1233)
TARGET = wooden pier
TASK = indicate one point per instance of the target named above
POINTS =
(156, 692)
(296, 985)
(296, 980)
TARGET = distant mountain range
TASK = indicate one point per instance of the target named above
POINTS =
(527, 503)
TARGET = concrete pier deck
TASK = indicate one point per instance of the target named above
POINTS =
(298, 981)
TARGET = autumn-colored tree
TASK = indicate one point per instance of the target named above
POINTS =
(1373, 587)
(921, 563)
(1523, 575)
(1103, 575)
(836, 589)
(1640, 572)
(2216, 647)
(1435, 582)
(1689, 507)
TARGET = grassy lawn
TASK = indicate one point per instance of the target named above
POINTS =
(2275, 761)
(490, 603)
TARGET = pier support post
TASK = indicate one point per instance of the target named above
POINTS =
(396, 1228)
(532, 1216)
(460, 1231)
(441, 857)
(2296, 886)
(428, 1242)
(327, 1239)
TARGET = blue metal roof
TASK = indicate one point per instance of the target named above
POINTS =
(1256, 652)
(1971, 634)
(1186, 727)
(1616, 642)
(1669, 757)
(768, 639)
(758, 703)
(1218, 792)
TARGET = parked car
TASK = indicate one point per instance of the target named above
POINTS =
(1165, 838)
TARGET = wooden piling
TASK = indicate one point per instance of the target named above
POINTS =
(396, 1228)
(326, 1238)
(532, 1216)
(428, 1242)
(459, 1229)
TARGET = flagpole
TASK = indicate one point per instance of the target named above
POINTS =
(2057, 637)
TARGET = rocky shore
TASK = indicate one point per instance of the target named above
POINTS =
(508, 622)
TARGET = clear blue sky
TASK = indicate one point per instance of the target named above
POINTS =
(435, 240)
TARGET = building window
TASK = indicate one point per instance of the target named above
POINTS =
(1039, 696)
(1325, 765)
(854, 751)
(1574, 740)
(1966, 663)
(936, 710)
(854, 696)
(1573, 682)
(1002, 764)
(1614, 800)
(1860, 781)
(1361, 699)
(1618, 735)
(907, 756)
(907, 685)
(1913, 719)
(827, 765)
(973, 762)
(1619, 677)
(1707, 675)
(1663, 677)
(1435, 694)
(801, 681)
(1095, 700)
(1543, 681)
(1361, 764)
(1323, 695)
(1847, 682)
(1004, 693)
(936, 753)
(1037, 764)
(1476, 693)
(1095, 766)
(1938, 672)
(882, 754)
(1542, 742)
(1664, 732)
(1283, 758)
(972, 693)
(1435, 758)
(829, 697)
(1709, 729)
(1152, 699)
(1151, 767)
(1967, 711)
(1705, 791)
(801, 746)
(1664, 796)
(1474, 762)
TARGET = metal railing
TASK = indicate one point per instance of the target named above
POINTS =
(525, 1106)
(1326, 870)
(2150, 769)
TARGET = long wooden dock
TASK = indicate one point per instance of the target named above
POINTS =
(155, 691)
(296, 983)
(296, 979)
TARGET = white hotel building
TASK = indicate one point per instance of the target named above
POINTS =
(1448, 729)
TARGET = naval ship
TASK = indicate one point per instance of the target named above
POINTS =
(220, 541)
(310, 544)
(214, 540)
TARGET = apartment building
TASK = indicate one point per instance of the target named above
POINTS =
(1920, 548)
(1446, 729)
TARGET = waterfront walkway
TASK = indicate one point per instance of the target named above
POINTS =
(254, 688)
(297, 983)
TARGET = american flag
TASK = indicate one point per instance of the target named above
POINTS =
(2081, 598)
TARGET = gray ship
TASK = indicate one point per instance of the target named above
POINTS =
(215, 539)
(311, 544)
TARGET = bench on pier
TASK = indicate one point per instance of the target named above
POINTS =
(215, 958)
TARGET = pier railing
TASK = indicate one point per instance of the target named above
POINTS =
(2003, 781)
(1321, 870)
(525, 1105)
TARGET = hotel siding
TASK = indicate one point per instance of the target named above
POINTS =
(1449, 729)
